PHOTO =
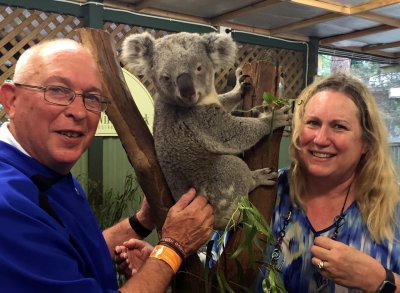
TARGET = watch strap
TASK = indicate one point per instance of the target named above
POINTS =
(138, 227)
(389, 276)
(389, 284)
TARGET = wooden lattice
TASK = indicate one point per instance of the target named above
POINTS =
(2, 115)
(292, 64)
(290, 61)
(119, 32)
(22, 28)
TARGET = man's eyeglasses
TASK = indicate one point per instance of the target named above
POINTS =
(64, 96)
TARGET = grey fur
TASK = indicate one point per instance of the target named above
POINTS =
(196, 139)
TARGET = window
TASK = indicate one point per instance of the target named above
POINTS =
(383, 79)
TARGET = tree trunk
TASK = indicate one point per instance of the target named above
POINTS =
(138, 143)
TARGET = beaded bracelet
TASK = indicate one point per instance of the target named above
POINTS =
(167, 255)
(141, 230)
(175, 245)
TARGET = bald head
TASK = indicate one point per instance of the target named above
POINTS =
(30, 62)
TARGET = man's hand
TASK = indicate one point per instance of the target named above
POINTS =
(189, 222)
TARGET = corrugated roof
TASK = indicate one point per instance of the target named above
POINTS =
(361, 26)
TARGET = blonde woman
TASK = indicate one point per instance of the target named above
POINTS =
(337, 212)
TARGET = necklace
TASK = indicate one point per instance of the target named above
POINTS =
(339, 219)
(338, 222)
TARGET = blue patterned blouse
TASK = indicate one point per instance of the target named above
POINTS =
(299, 274)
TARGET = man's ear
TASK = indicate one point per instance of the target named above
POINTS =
(7, 98)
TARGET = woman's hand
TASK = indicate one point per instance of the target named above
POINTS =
(346, 265)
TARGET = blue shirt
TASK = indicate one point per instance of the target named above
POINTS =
(37, 253)
(298, 273)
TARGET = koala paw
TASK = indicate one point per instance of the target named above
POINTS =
(282, 117)
(264, 176)
(242, 82)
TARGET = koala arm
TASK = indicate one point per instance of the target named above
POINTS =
(232, 99)
(221, 133)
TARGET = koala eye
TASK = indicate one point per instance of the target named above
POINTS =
(199, 68)
(165, 77)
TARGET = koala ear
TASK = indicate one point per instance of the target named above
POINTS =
(221, 48)
(137, 52)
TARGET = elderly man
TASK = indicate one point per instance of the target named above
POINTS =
(50, 240)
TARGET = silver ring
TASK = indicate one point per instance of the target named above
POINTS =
(320, 265)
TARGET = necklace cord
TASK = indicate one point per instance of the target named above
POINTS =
(345, 199)
(337, 221)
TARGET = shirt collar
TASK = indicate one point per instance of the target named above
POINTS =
(7, 137)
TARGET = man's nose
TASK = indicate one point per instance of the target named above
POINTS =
(77, 108)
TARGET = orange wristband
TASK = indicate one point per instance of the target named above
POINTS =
(168, 255)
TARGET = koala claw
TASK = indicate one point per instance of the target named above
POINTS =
(264, 176)
(284, 109)
(269, 174)
(282, 118)
(270, 178)
(242, 79)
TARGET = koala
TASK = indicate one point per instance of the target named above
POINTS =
(197, 140)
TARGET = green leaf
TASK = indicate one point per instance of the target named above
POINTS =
(265, 286)
(223, 284)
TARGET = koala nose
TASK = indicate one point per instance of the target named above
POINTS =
(185, 85)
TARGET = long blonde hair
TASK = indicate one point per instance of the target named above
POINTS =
(376, 187)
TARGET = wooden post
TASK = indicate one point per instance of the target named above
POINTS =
(264, 77)
(138, 143)
(128, 122)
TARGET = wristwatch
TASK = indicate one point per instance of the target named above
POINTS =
(388, 285)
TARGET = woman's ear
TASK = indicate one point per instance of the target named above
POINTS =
(7, 97)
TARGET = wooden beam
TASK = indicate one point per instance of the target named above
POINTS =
(380, 47)
(244, 28)
(380, 18)
(358, 50)
(323, 5)
(371, 5)
(174, 15)
(293, 37)
(119, 5)
(143, 4)
(356, 34)
(305, 23)
(244, 10)
(346, 9)
(262, 32)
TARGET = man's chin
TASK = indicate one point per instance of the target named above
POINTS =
(64, 162)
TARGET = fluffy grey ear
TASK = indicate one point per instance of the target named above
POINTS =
(221, 48)
(137, 52)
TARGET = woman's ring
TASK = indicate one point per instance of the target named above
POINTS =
(320, 265)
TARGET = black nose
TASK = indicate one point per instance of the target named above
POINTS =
(185, 85)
